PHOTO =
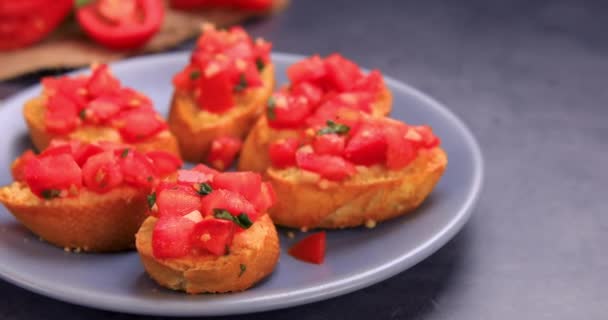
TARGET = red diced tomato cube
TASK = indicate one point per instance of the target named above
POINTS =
(137, 169)
(102, 82)
(213, 236)
(172, 237)
(102, 109)
(137, 124)
(283, 152)
(399, 152)
(341, 73)
(215, 93)
(287, 111)
(310, 69)
(164, 162)
(367, 146)
(101, 172)
(310, 249)
(331, 144)
(308, 90)
(223, 152)
(330, 167)
(177, 201)
(56, 173)
(61, 116)
(227, 200)
(247, 184)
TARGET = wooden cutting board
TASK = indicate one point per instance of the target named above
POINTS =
(69, 47)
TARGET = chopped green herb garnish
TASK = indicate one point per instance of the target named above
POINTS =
(50, 193)
(271, 104)
(150, 178)
(242, 220)
(81, 3)
(226, 250)
(124, 153)
(243, 269)
(259, 63)
(333, 127)
(195, 74)
(151, 199)
(204, 189)
(82, 114)
(242, 85)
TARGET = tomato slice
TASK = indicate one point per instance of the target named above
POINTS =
(283, 152)
(227, 200)
(171, 237)
(164, 162)
(177, 200)
(46, 176)
(223, 152)
(139, 124)
(247, 184)
(331, 144)
(310, 249)
(309, 69)
(329, 167)
(101, 172)
(213, 236)
(129, 25)
(191, 177)
(367, 146)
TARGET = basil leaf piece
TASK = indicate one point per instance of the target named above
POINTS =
(195, 74)
(83, 114)
(243, 269)
(242, 85)
(333, 127)
(50, 193)
(204, 189)
(242, 220)
(124, 153)
(259, 63)
(151, 199)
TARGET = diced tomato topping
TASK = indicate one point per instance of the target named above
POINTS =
(190, 177)
(101, 172)
(56, 150)
(248, 184)
(399, 152)
(213, 236)
(266, 198)
(165, 163)
(367, 146)
(429, 140)
(331, 144)
(341, 72)
(137, 169)
(223, 152)
(20, 164)
(309, 69)
(227, 200)
(177, 200)
(102, 82)
(61, 114)
(310, 249)
(172, 237)
(204, 169)
(102, 109)
(137, 124)
(215, 93)
(329, 167)
(311, 92)
(83, 152)
(287, 111)
(283, 152)
(372, 82)
(49, 175)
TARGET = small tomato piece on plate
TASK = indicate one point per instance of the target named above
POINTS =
(310, 249)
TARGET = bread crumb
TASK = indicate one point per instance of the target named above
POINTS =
(291, 235)
(66, 249)
(370, 223)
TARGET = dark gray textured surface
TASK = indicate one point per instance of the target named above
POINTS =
(529, 78)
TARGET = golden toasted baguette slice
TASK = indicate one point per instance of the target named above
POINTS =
(374, 194)
(253, 255)
(195, 129)
(87, 222)
(33, 112)
(254, 154)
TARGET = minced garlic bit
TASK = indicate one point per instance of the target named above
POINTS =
(310, 132)
(370, 223)
(291, 235)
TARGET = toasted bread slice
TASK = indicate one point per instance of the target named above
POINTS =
(195, 129)
(372, 195)
(33, 112)
(253, 255)
(87, 222)
(254, 154)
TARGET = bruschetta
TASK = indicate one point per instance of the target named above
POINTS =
(358, 172)
(210, 232)
(93, 108)
(85, 197)
(317, 89)
(222, 91)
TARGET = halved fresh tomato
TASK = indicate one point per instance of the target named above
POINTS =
(341, 72)
(367, 146)
(47, 176)
(283, 152)
(310, 69)
(164, 162)
(101, 172)
(172, 237)
(223, 152)
(137, 169)
(61, 114)
(310, 249)
(124, 24)
(138, 124)
(331, 144)
(213, 236)
(247, 184)
(177, 200)
(287, 111)
(229, 201)
(329, 167)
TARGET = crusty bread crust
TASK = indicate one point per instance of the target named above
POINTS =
(257, 248)
(33, 112)
(254, 154)
(195, 129)
(87, 222)
(372, 195)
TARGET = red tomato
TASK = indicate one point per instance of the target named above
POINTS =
(266, 198)
(355, 100)
(341, 73)
(331, 144)
(53, 173)
(165, 163)
(309, 69)
(329, 167)
(310, 249)
(101, 82)
(223, 152)
(213, 236)
(227, 200)
(101, 172)
(102, 109)
(61, 114)
(124, 24)
(247, 184)
(83, 153)
(308, 90)
(367, 146)
(399, 151)
(204, 169)
(73, 88)
(429, 140)
(177, 200)
(137, 169)
(283, 152)
(285, 111)
(57, 149)
(138, 124)
(190, 177)
(171, 237)
(372, 82)
(20, 164)
(215, 93)
(20, 8)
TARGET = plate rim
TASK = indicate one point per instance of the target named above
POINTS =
(297, 297)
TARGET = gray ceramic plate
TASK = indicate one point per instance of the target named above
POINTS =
(355, 258)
